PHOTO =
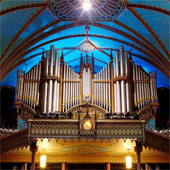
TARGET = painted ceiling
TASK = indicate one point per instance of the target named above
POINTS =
(29, 27)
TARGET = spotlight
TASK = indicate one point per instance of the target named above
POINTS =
(86, 5)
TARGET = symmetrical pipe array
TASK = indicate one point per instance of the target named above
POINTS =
(54, 86)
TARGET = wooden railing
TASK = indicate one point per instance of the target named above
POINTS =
(157, 142)
(66, 128)
(14, 141)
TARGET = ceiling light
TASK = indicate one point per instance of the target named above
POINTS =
(86, 5)
(43, 160)
(128, 161)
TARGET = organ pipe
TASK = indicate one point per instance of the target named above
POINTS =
(127, 83)
(118, 84)
(59, 83)
(122, 81)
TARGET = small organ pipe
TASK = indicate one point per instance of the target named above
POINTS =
(33, 87)
(138, 91)
(55, 94)
(64, 88)
(99, 90)
(50, 83)
(51, 60)
(24, 92)
(45, 83)
(115, 87)
(122, 81)
(118, 84)
(66, 100)
(106, 84)
(127, 83)
(71, 88)
(109, 89)
(30, 92)
(135, 85)
(36, 85)
(142, 89)
(58, 96)
(102, 90)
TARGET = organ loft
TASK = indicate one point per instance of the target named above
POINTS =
(58, 102)
(89, 81)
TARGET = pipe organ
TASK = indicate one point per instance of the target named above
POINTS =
(53, 86)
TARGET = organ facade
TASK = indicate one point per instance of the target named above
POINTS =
(52, 86)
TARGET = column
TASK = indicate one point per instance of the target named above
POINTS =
(33, 149)
(138, 150)
(25, 166)
(108, 166)
(146, 167)
(63, 166)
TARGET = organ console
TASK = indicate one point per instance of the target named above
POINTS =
(53, 86)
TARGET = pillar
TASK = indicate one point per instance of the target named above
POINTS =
(25, 166)
(63, 166)
(33, 149)
(138, 150)
(146, 167)
(108, 166)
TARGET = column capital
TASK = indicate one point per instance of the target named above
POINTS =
(33, 147)
(138, 149)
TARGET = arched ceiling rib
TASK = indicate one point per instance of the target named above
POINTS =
(72, 25)
(100, 49)
(159, 57)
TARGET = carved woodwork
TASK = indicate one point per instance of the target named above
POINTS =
(14, 141)
(132, 129)
(157, 142)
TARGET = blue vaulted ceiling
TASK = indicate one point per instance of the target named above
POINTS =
(31, 26)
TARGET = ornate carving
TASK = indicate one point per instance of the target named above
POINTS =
(146, 113)
(156, 141)
(120, 130)
(97, 108)
(132, 129)
(53, 129)
(26, 112)
(155, 106)
(14, 141)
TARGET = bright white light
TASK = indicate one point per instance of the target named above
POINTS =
(86, 5)
(43, 161)
(128, 161)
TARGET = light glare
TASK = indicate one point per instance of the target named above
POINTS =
(86, 5)
(43, 161)
(128, 161)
